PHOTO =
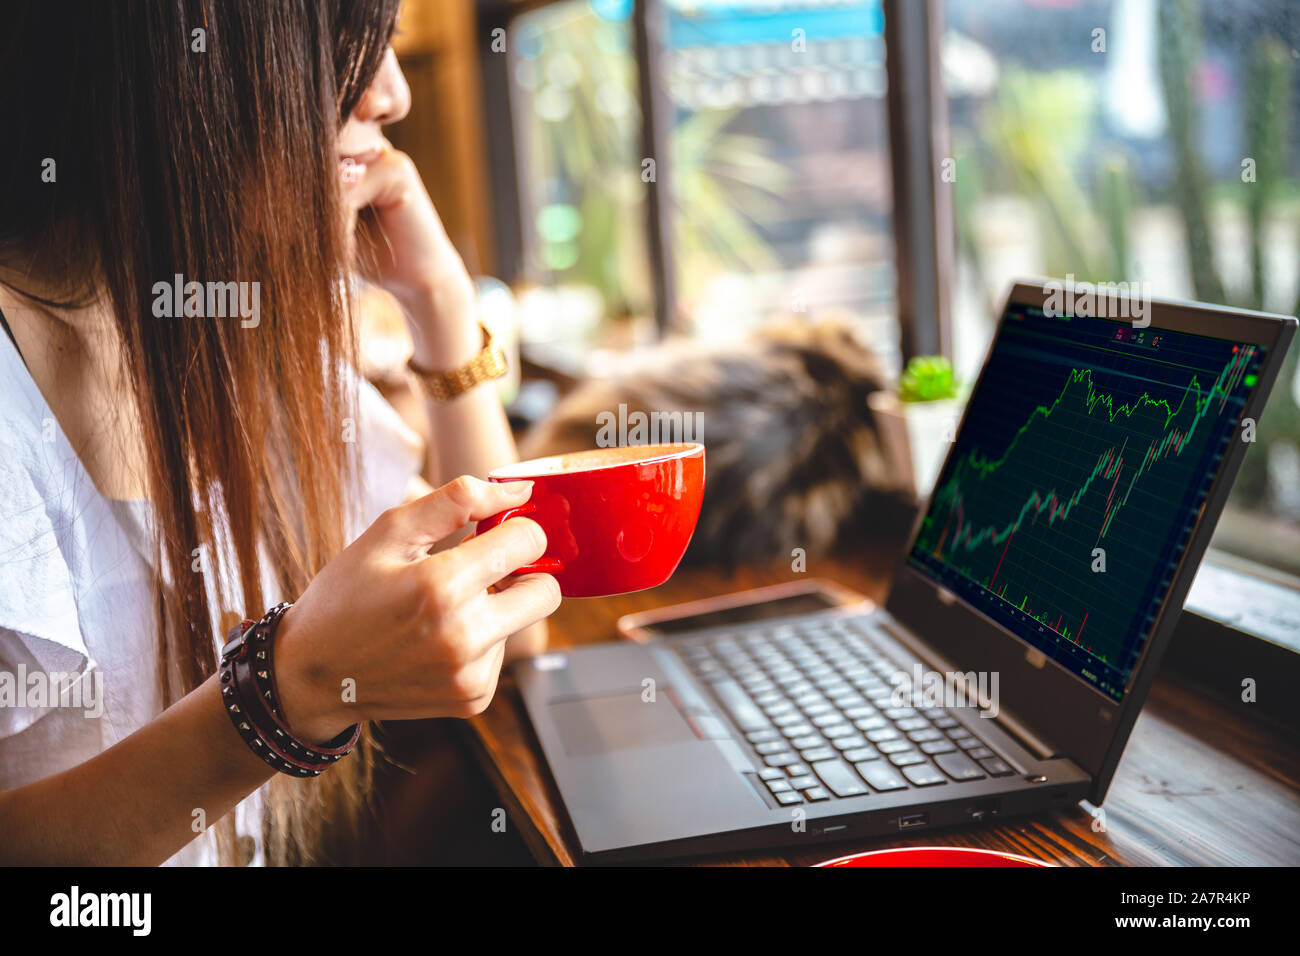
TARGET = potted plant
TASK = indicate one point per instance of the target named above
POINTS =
(919, 421)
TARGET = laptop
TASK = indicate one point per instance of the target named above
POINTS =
(1024, 624)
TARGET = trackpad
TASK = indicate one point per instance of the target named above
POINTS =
(597, 725)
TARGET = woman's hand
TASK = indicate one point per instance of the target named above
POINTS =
(403, 247)
(417, 634)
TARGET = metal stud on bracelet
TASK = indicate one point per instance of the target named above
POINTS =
(249, 691)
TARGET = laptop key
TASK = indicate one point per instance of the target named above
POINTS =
(861, 753)
(969, 743)
(959, 766)
(923, 775)
(882, 733)
(881, 776)
(959, 733)
(818, 753)
(980, 753)
(779, 786)
(859, 711)
(945, 723)
(807, 741)
(831, 731)
(921, 736)
(785, 799)
(770, 747)
(912, 723)
(771, 773)
(849, 741)
(782, 759)
(742, 710)
(759, 736)
(906, 758)
(995, 766)
(801, 729)
(894, 746)
(840, 778)
(898, 713)
(816, 793)
(797, 769)
(803, 781)
(874, 722)
(938, 747)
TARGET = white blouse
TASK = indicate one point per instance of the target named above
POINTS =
(78, 627)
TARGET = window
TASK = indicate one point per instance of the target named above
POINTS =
(1155, 141)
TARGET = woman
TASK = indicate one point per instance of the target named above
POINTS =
(166, 472)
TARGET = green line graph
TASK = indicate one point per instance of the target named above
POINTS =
(1075, 479)
(1110, 464)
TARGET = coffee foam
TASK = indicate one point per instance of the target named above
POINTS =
(593, 459)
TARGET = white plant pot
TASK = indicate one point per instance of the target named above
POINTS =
(917, 436)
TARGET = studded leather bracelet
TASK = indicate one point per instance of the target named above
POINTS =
(249, 693)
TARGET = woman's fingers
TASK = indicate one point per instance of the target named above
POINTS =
(524, 600)
(365, 184)
(487, 558)
(426, 521)
(483, 622)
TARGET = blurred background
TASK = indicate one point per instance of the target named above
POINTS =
(621, 171)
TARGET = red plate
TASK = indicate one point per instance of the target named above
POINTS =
(933, 856)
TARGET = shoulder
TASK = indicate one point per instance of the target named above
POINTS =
(46, 509)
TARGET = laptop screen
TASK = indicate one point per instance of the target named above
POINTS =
(1086, 453)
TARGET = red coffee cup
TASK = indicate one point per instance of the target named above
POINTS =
(933, 856)
(616, 519)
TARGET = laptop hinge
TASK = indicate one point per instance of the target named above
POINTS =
(1026, 737)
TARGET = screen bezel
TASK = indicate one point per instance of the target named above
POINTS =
(1076, 719)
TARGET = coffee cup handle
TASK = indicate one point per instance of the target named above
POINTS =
(542, 565)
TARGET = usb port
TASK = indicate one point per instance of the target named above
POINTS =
(913, 820)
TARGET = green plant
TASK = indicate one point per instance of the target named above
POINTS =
(1268, 108)
(1180, 53)
(927, 378)
(725, 186)
(1115, 194)
(1036, 127)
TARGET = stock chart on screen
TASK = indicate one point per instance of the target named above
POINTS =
(1087, 451)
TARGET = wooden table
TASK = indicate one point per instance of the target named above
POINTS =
(1201, 782)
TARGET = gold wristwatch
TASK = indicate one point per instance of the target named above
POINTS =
(490, 363)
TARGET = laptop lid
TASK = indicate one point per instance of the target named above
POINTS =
(1080, 491)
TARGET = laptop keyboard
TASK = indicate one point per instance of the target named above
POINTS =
(814, 701)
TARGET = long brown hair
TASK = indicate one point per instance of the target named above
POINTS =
(208, 155)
